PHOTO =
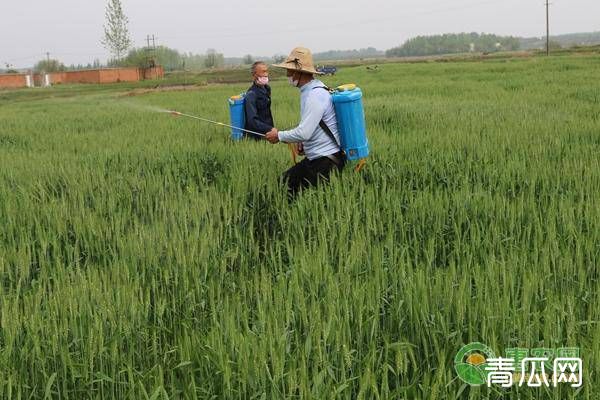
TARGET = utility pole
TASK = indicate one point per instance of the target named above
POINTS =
(547, 28)
(153, 47)
(150, 51)
(48, 57)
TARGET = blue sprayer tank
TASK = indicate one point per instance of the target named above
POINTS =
(350, 115)
(237, 115)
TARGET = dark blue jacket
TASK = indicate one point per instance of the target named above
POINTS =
(257, 107)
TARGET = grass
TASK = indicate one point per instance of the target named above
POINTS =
(144, 256)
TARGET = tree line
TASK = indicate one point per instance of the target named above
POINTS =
(454, 43)
(170, 59)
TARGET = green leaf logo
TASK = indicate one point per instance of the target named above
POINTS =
(470, 363)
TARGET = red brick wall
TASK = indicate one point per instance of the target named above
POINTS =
(57, 77)
(119, 75)
(97, 76)
(12, 80)
(87, 76)
(154, 73)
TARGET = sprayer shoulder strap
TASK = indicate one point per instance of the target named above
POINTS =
(324, 87)
(324, 126)
(322, 123)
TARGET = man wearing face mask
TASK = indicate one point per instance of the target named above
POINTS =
(317, 134)
(257, 104)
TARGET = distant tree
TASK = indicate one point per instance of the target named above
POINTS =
(49, 66)
(116, 34)
(279, 58)
(213, 59)
(194, 61)
(169, 58)
(9, 69)
(248, 59)
(136, 58)
(555, 45)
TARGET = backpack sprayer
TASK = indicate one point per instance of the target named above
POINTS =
(350, 116)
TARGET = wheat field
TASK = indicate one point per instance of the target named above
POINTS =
(149, 257)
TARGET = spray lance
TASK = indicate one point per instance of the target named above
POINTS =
(180, 114)
(292, 147)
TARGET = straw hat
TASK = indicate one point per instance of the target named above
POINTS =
(300, 59)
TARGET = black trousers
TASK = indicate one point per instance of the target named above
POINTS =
(310, 173)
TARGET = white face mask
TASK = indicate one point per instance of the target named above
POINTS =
(262, 80)
(292, 81)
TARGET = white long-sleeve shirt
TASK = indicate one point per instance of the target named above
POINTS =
(315, 104)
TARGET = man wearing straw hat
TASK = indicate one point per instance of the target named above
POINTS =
(317, 134)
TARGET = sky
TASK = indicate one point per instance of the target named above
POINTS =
(71, 30)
